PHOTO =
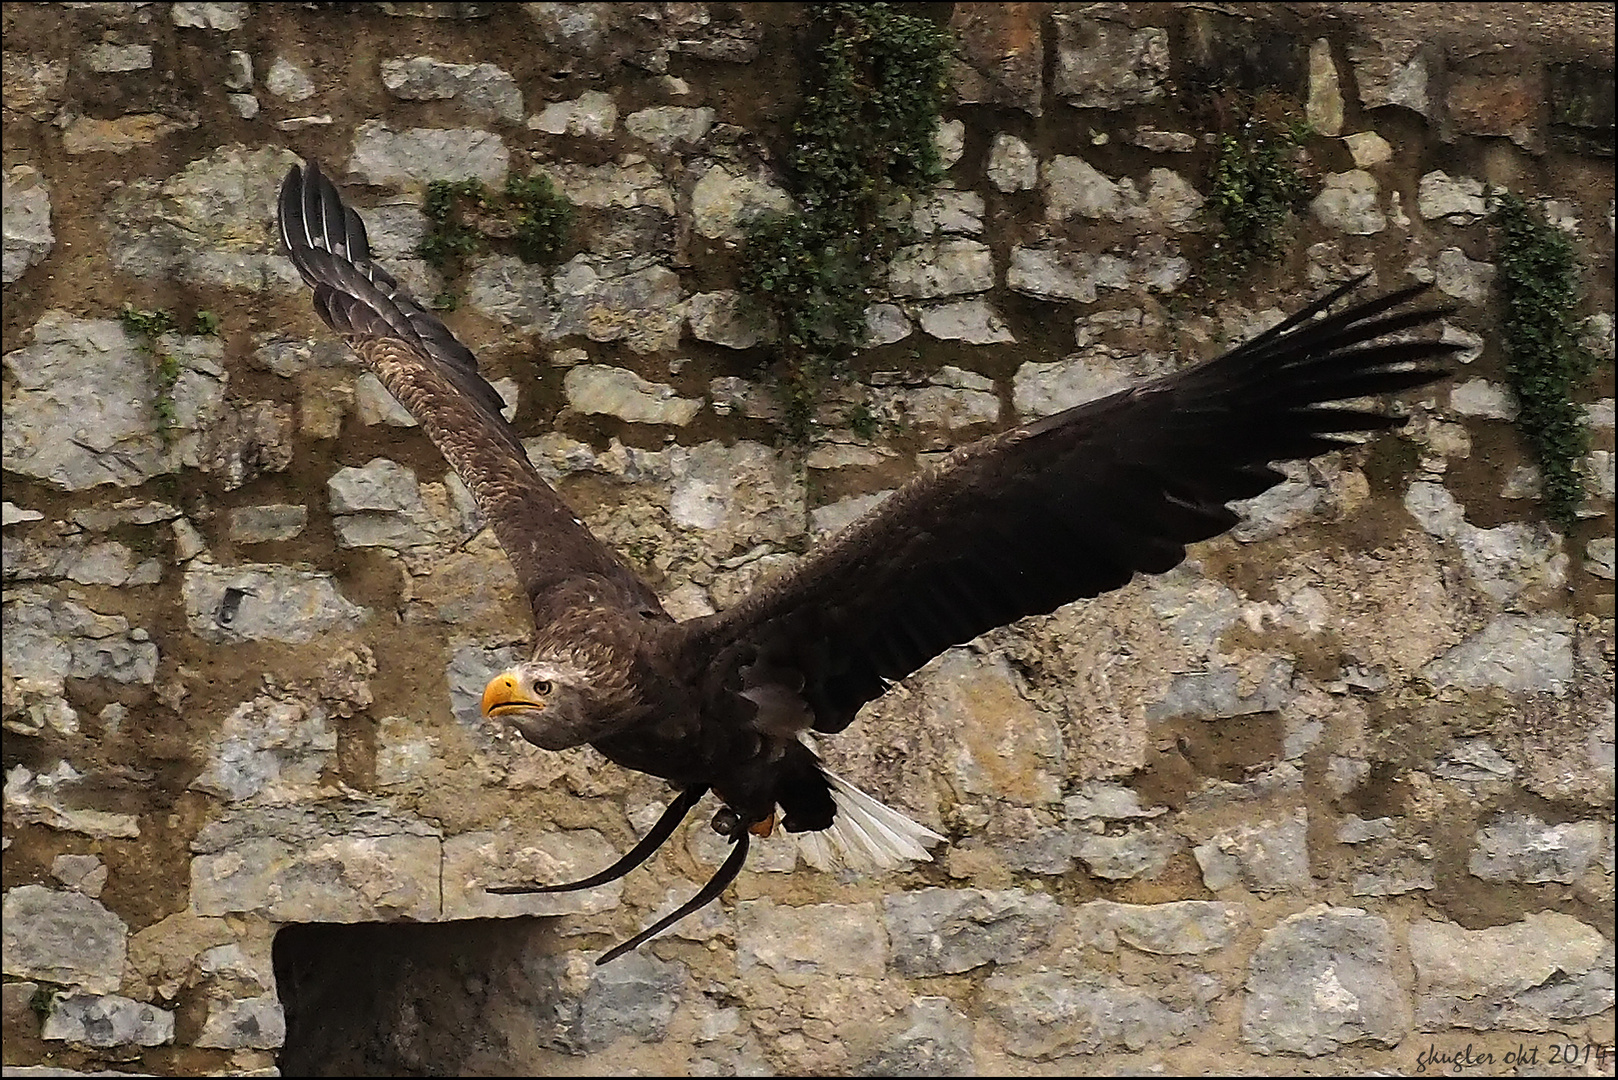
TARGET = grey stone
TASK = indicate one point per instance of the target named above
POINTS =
(665, 126)
(724, 203)
(88, 135)
(1322, 979)
(636, 302)
(1105, 65)
(108, 58)
(1391, 71)
(635, 996)
(257, 601)
(951, 212)
(941, 268)
(948, 931)
(35, 86)
(799, 946)
(244, 1023)
(733, 41)
(632, 184)
(1170, 203)
(1133, 853)
(238, 71)
(1051, 1015)
(288, 81)
(1074, 186)
(62, 937)
(1503, 561)
(949, 140)
(520, 856)
(972, 321)
(1458, 201)
(729, 394)
(885, 324)
(1481, 398)
(1162, 142)
(275, 746)
(1521, 847)
(1284, 506)
(470, 669)
(1180, 928)
(729, 318)
(1324, 108)
(82, 873)
(381, 505)
(483, 89)
(374, 405)
(82, 412)
(131, 511)
(1262, 683)
(1265, 857)
(267, 524)
(1051, 273)
(1474, 761)
(1598, 557)
(418, 156)
(937, 1041)
(1102, 801)
(1527, 975)
(1465, 279)
(1348, 203)
(592, 114)
(206, 225)
(42, 800)
(1517, 653)
(1368, 149)
(48, 636)
(26, 222)
(1012, 165)
(1044, 389)
(326, 862)
(619, 392)
(16, 515)
(108, 1020)
(210, 16)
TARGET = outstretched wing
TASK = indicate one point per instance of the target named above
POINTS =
(1065, 507)
(436, 377)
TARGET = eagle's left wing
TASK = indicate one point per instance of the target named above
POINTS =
(436, 378)
(1065, 507)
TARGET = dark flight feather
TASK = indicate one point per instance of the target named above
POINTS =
(436, 378)
(1073, 504)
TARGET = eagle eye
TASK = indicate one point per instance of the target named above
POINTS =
(542, 686)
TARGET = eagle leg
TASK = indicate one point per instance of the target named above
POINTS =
(716, 885)
(642, 851)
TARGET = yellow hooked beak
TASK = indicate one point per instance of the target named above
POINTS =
(506, 693)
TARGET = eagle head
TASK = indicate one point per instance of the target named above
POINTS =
(553, 703)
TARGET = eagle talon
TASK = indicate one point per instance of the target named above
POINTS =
(727, 822)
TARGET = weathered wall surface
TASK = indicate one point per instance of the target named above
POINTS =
(1335, 794)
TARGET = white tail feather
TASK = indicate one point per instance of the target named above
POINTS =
(865, 834)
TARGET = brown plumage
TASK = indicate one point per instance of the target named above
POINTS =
(1015, 524)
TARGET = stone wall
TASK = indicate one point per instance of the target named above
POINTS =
(1335, 795)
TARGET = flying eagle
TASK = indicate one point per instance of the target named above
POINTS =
(1018, 523)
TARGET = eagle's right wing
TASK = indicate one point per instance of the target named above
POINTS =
(436, 378)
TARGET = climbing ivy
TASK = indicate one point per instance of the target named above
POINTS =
(147, 327)
(1254, 186)
(464, 216)
(1257, 179)
(1537, 289)
(862, 143)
